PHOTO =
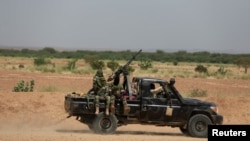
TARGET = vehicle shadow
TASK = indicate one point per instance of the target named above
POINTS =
(151, 133)
(74, 131)
(147, 133)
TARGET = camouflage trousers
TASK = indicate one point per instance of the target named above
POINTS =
(109, 100)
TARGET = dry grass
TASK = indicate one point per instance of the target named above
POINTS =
(182, 70)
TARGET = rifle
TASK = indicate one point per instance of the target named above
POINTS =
(116, 76)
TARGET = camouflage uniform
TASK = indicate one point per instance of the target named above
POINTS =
(114, 94)
(103, 93)
(98, 82)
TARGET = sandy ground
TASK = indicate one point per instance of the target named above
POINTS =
(40, 115)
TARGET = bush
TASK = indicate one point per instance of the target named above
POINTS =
(175, 63)
(113, 65)
(129, 69)
(201, 69)
(20, 66)
(97, 65)
(41, 61)
(23, 86)
(72, 64)
(222, 71)
(145, 64)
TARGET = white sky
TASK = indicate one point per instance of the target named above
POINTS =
(192, 25)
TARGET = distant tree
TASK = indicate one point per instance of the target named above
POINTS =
(145, 64)
(160, 52)
(25, 50)
(49, 50)
(40, 61)
(244, 62)
(201, 69)
(98, 64)
(175, 63)
(113, 65)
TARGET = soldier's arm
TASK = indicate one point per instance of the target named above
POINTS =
(157, 90)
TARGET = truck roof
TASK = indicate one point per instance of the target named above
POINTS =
(149, 79)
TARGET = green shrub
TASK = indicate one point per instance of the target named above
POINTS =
(41, 61)
(129, 69)
(175, 63)
(201, 69)
(113, 65)
(97, 65)
(23, 86)
(20, 66)
(222, 71)
(72, 64)
(145, 64)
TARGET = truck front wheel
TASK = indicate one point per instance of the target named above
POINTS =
(198, 125)
(104, 124)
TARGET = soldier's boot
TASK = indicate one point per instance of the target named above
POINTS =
(107, 110)
(97, 110)
(112, 108)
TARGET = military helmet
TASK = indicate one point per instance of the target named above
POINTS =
(99, 73)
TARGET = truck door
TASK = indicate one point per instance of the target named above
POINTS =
(152, 108)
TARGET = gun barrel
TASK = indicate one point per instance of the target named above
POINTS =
(132, 58)
(123, 68)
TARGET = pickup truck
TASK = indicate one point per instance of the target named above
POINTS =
(161, 106)
(166, 108)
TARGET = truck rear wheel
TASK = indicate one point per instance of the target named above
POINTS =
(198, 125)
(104, 124)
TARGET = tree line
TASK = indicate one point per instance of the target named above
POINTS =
(159, 55)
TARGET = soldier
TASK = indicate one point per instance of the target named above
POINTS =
(115, 94)
(103, 93)
(135, 88)
(154, 91)
(98, 82)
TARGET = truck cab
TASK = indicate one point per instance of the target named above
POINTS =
(158, 102)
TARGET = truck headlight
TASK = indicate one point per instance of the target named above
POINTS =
(215, 109)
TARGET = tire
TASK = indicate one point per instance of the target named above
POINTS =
(104, 124)
(184, 131)
(198, 125)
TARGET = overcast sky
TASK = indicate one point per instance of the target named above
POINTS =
(221, 26)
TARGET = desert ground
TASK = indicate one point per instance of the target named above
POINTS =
(40, 115)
